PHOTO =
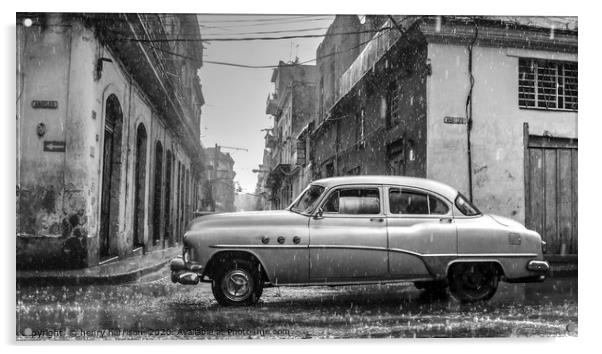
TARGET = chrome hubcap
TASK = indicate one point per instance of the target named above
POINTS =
(237, 285)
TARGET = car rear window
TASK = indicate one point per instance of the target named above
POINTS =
(465, 206)
(415, 203)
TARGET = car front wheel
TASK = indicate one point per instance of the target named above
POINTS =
(471, 282)
(237, 283)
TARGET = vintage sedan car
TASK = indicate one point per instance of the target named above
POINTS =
(357, 230)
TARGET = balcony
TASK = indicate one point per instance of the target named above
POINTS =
(272, 105)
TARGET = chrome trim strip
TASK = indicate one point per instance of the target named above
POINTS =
(367, 248)
(376, 248)
(259, 246)
(497, 254)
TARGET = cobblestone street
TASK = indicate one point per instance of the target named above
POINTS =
(153, 307)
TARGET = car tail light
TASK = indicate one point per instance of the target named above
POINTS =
(186, 255)
(544, 247)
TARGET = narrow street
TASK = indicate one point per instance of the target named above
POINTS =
(155, 308)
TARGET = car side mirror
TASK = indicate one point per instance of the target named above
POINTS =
(319, 213)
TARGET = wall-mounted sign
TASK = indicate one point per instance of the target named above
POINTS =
(54, 146)
(44, 104)
(454, 120)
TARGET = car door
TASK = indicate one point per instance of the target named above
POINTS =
(421, 229)
(349, 240)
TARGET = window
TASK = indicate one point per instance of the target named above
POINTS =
(355, 171)
(415, 203)
(392, 104)
(321, 102)
(308, 199)
(360, 132)
(547, 84)
(330, 169)
(353, 201)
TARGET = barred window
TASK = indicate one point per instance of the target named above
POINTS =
(392, 114)
(547, 84)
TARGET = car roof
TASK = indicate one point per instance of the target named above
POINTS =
(422, 183)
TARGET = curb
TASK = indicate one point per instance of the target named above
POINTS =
(90, 279)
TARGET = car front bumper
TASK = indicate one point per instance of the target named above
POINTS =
(185, 273)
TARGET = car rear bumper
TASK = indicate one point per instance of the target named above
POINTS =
(539, 267)
(185, 273)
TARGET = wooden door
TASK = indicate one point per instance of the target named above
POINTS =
(551, 182)
(105, 208)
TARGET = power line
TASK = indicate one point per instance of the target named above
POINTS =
(225, 39)
(278, 31)
(268, 66)
(256, 20)
(244, 25)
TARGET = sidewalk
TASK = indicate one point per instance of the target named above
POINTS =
(120, 271)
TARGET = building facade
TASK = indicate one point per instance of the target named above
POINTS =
(485, 104)
(220, 182)
(292, 106)
(109, 160)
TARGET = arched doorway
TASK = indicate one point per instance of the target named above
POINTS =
(111, 178)
(140, 186)
(167, 211)
(157, 193)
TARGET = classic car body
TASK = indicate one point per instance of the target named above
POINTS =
(361, 229)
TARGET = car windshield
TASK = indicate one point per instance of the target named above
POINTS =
(465, 206)
(306, 202)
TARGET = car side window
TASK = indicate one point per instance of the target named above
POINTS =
(353, 201)
(437, 206)
(415, 203)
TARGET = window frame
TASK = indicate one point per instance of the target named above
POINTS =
(447, 202)
(535, 63)
(335, 189)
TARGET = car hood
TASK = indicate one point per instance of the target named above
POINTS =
(256, 218)
(506, 221)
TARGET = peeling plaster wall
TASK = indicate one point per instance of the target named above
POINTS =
(497, 135)
(58, 211)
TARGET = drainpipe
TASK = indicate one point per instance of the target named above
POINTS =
(469, 111)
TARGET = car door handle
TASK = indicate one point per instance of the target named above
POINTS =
(377, 219)
(446, 220)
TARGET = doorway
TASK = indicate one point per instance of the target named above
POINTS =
(168, 196)
(157, 193)
(111, 178)
(140, 186)
(551, 192)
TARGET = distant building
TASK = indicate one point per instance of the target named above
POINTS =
(220, 182)
(109, 160)
(292, 106)
(246, 202)
(485, 104)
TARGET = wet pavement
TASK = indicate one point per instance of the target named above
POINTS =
(154, 308)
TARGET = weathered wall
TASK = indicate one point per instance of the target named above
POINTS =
(59, 192)
(497, 134)
(342, 140)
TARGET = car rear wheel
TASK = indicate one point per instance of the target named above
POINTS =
(471, 282)
(237, 283)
